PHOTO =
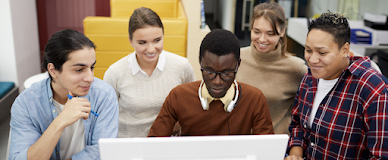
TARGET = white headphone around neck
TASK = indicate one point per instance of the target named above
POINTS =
(231, 104)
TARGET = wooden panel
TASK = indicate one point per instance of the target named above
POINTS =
(102, 7)
(42, 25)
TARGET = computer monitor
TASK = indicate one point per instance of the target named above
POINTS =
(248, 147)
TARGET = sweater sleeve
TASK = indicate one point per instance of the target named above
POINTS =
(262, 122)
(165, 121)
(295, 129)
(111, 78)
(375, 104)
(189, 73)
(302, 71)
(24, 132)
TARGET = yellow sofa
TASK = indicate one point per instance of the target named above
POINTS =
(110, 34)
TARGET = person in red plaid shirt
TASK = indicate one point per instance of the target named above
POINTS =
(340, 109)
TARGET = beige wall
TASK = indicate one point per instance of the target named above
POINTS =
(19, 41)
(195, 34)
(8, 70)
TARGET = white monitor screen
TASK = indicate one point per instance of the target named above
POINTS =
(249, 147)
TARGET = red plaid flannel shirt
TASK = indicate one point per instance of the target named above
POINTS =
(351, 121)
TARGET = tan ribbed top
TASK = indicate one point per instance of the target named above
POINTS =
(277, 76)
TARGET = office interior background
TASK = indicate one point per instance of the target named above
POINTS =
(26, 25)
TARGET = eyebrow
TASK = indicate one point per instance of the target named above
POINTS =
(264, 31)
(316, 47)
(83, 65)
(141, 40)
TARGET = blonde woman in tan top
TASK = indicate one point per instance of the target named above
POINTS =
(267, 65)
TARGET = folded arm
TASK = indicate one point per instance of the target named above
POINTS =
(376, 117)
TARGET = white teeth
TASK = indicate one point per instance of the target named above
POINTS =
(263, 45)
(150, 55)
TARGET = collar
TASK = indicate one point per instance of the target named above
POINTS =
(359, 64)
(49, 89)
(134, 65)
(225, 100)
(266, 57)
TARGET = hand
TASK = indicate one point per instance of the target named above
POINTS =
(75, 109)
(296, 153)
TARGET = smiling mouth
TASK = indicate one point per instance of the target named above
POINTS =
(262, 45)
(150, 55)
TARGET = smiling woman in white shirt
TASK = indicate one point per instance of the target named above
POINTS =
(144, 78)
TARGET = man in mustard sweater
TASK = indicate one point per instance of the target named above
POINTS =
(217, 105)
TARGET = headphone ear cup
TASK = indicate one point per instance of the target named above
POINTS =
(203, 100)
(233, 103)
(231, 106)
(203, 103)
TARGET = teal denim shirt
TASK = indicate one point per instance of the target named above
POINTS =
(33, 111)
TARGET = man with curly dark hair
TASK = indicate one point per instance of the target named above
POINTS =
(340, 109)
(217, 105)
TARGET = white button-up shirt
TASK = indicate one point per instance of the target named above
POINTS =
(136, 70)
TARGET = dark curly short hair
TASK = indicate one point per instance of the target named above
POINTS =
(220, 42)
(335, 24)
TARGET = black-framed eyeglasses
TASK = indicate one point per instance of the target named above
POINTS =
(225, 75)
